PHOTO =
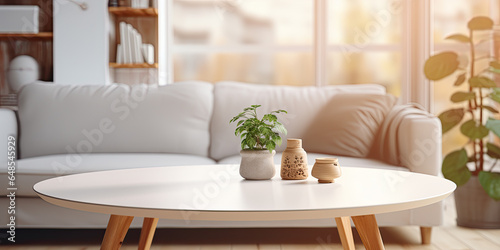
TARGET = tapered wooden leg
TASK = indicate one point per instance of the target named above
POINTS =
(147, 233)
(115, 232)
(426, 233)
(345, 232)
(368, 231)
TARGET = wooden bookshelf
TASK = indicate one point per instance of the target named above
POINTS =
(133, 65)
(132, 12)
(36, 36)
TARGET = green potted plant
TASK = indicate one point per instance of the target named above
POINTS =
(471, 167)
(259, 138)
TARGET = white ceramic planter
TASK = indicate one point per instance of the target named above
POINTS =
(257, 164)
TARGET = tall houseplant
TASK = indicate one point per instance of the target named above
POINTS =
(474, 113)
(259, 138)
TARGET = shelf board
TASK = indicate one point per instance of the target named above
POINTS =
(132, 12)
(133, 65)
(36, 36)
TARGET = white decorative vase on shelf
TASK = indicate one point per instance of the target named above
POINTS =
(257, 164)
(23, 70)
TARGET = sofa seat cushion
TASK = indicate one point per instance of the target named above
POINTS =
(344, 161)
(116, 118)
(32, 170)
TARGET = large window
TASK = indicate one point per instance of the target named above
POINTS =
(319, 42)
(258, 41)
(364, 42)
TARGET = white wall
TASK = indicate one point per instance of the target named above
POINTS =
(81, 43)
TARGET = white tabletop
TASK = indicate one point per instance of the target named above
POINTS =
(219, 193)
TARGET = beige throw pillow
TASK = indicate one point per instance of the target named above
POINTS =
(347, 124)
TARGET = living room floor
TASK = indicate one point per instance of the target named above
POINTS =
(446, 237)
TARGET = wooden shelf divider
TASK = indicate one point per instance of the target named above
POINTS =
(34, 36)
(133, 65)
(132, 12)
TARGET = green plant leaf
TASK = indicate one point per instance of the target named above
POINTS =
(493, 150)
(441, 65)
(494, 126)
(481, 82)
(495, 95)
(454, 167)
(280, 128)
(491, 109)
(462, 96)
(278, 140)
(459, 38)
(491, 184)
(270, 145)
(250, 142)
(473, 130)
(451, 118)
(460, 79)
(480, 23)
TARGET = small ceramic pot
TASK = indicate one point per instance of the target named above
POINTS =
(294, 161)
(326, 170)
(257, 164)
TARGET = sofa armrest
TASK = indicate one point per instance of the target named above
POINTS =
(8, 128)
(419, 144)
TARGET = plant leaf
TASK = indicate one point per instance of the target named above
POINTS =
(493, 150)
(271, 145)
(480, 23)
(462, 96)
(473, 131)
(460, 79)
(491, 184)
(454, 167)
(441, 65)
(451, 118)
(491, 109)
(481, 82)
(494, 126)
(278, 141)
(250, 142)
(495, 95)
(459, 38)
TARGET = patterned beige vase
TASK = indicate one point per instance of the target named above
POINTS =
(326, 170)
(294, 161)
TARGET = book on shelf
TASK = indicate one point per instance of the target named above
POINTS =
(139, 4)
(129, 40)
(149, 53)
(131, 49)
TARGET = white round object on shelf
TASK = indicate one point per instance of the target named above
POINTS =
(23, 70)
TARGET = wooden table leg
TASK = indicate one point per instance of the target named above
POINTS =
(368, 231)
(115, 232)
(426, 233)
(345, 232)
(147, 233)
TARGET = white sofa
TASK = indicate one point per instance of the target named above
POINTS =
(64, 129)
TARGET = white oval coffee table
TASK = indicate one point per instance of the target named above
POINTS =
(217, 192)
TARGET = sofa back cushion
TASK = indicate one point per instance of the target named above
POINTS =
(60, 119)
(348, 124)
(302, 103)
